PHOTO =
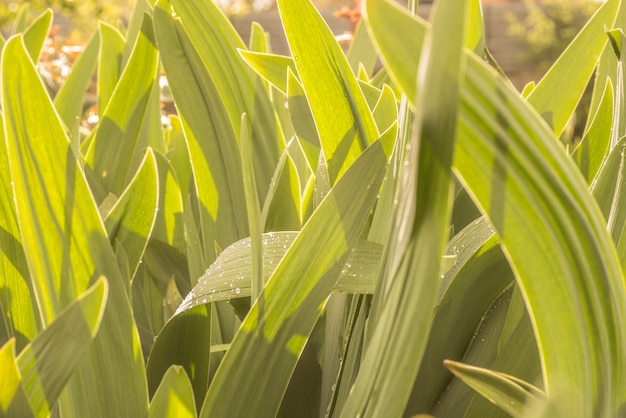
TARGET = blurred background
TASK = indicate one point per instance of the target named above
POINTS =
(523, 35)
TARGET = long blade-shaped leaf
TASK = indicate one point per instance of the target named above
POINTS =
(110, 55)
(211, 140)
(131, 220)
(13, 399)
(113, 147)
(174, 397)
(558, 92)
(216, 42)
(17, 302)
(499, 388)
(65, 243)
(549, 227)
(567, 240)
(264, 352)
(329, 84)
(48, 362)
(392, 359)
(70, 97)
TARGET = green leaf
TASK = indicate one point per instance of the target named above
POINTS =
(174, 397)
(502, 146)
(329, 84)
(557, 94)
(36, 33)
(475, 28)
(65, 244)
(567, 230)
(168, 227)
(70, 97)
(114, 145)
(302, 120)
(230, 276)
(21, 18)
(110, 55)
(271, 67)
(610, 193)
(503, 390)
(503, 341)
(479, 274)
(184, 341)
(273, 335)
(13, 400)
(216, 42)
(594, 146)
(259, 39)
(47, 363)
(19, 314)
(362, 51)
(386, 110)
(131, 220)
(416, 246)
(253, 209)
(217, 175)
(386, 20)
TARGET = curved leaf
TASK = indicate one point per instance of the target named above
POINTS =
(113, 147)
(131, 220)
(48, 362)
(342, 117)
(505, 391)
(65, 243)
(174, 397)
(274, 333)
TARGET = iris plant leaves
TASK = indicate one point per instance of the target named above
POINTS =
(64, 241)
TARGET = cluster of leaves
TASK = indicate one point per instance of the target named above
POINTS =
(310, 237)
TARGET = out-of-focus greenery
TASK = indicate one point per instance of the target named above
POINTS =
(77, 17)
(549, 27)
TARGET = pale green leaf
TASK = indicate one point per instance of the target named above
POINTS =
(501, 389)
(184, 341)
(13, 400)
(48, 362)
(19, 314)
(594, 146)
(70, 97)
(174, 397)
(420, 231)
(475, 28)
(216, 43)
(479, 274)
(274, 333)
(329, 83)
(114, 145)
(229, 277)
(557, 94)
(217, 175)
(65, 243)
(36, 33)
(253, 209)
(272, 68)
(525, 159)
(110, 55)
(130, 221)
(362, 54)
